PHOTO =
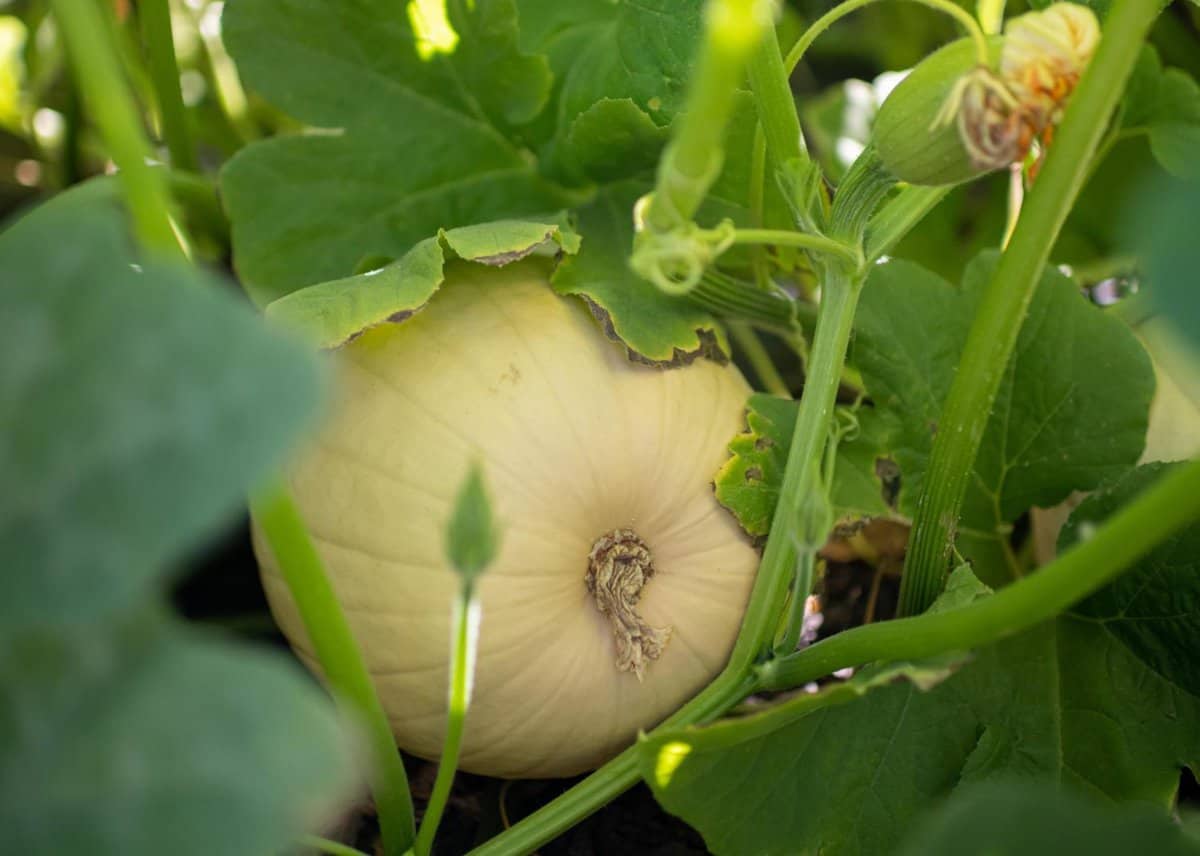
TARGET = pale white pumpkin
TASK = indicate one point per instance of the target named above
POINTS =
(599, 470)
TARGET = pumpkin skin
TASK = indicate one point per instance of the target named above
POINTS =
(576, 442)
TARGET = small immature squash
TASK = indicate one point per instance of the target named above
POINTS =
(620, 582)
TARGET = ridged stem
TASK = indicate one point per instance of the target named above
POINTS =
(997, 323)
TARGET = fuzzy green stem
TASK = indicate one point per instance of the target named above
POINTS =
(800, 240)
(898, 215)
(159, 43)
(106, 94)
(840, 292)
(993, 334)
(734, 299)
(776, 105)
(692, 160)
(279, 520)
(839, 297)
(841, 10)
(1160, 511)
(759, 359)
(615, 777)
(463, 645)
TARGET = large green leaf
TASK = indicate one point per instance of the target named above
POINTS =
(1163, 222)
(331, 313)
(1021, 818)
(410, 150)
(621, 70)
(655, 328)
(1164, 103)
(140, 401)
(1155, 613)
(1073, 701)
(139, 739)
(1071, 411)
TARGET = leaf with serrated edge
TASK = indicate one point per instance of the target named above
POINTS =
(1070, 413)
(332, 313)
(1154, 613)
(413, 150)
(655, 328)
(748, 483)
(1066, 701)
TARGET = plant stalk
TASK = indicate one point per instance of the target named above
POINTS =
(463, 646)
(1162, 510)
(776, 105)
(692, 160)
(759, 359)
(102, 84)
(615, 777)
(994, 332)
(839, 298)
(279, 520)
(159, 42)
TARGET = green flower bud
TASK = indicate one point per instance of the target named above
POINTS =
(917, 132)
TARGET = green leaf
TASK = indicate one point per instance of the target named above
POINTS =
(612, 139)
(412, 148)
(1153, 612)
(472, 538)
(780, 781)
(331, 313)
(144, 739)
(1175, 131)
(143, 400)
(1101, 700)
(655, 328)
(1162, 222)
(748, 483)
(637, 54)
(1165, 104)
(510, 86)
(1022, 818)
(1071, 411)
(1063, 702)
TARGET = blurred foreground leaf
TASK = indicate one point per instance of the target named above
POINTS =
(1021, 818)
(139, 403)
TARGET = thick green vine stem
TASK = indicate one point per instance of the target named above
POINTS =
(159, 43)
(898, 215)
(464, 644)
(776, 105)
(614, 778)
(993, 334)
(693, 158)
(93, 60)
(1162, 510)
(277, 516)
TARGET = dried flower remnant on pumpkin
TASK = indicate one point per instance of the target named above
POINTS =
(1001, 113)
